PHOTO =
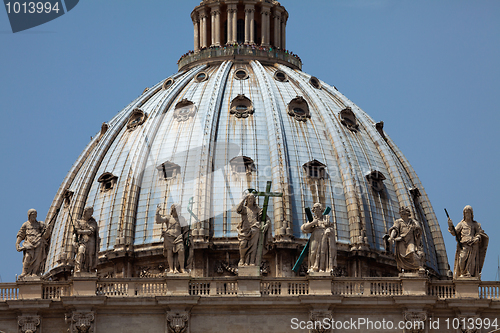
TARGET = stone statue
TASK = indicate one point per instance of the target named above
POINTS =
(35, 235)
(173, 241)
(322, 244)
(407, 235)
(249, 230)
(471, 246)
(86, 241)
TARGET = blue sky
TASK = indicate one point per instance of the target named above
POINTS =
(429, 69)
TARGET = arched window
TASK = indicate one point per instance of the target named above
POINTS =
(349, 119)
(242, 165)
(299, 109)
(315, 170)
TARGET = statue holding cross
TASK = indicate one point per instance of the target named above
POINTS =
(253, 228)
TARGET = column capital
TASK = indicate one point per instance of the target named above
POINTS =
(215, 12)
(202, 15)
(249, 10)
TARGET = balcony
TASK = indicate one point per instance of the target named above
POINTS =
(248, 286)
(240, 52)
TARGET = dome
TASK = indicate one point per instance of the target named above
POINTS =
(238, 115)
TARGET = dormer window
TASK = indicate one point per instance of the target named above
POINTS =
(299, 109)
(67, 197)
(380, 128)
(376, 180)
(169, 170)
(107, 181)
(348, 119)
(242, 165)
(184, 110)
(137, 118)
(241, 107)
(315, 170)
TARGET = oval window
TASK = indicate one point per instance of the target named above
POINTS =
(168, 84)
(241, 74)
(241, 108)
(280, 76)
(315, 82)
(201, 77)
(299, 112)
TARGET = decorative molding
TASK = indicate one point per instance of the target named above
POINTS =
(136, 119)
(184, 110)
(177, 322)
(299, 109)
(415, 316)
(348, 119)
(241, 107)
(81, 322)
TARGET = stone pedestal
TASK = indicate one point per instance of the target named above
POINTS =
(249, 287)
(320, 283)
(253, 271)
(30, 287)
(178, 284)
(414, 283)
(84, 284)
(467, 287)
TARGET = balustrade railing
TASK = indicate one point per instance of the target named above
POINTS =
(150, 288)
(8, 291)
(110, 289)
(367, 287)
(442, 289)
(240, 50)
(54, 290)
(489, 290)
(283, 287)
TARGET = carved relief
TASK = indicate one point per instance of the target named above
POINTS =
(178, 322)
(81, 322)
(299, 109)
(28, 323)
(241, 107)
(184, 110)
(320, 316)
(418, 318)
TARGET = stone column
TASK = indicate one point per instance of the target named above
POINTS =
(277, 27)
(232, 23)
(283, 31)
(266, 27)
(212, 26)
(247, 24)
(203, 32)
(252, 26)
(196, 25)
(217, 27)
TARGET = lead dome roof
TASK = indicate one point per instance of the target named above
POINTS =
(199, 141)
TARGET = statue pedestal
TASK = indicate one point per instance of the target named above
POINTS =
(178, 284)
(84, 284)
(251, 271)
(30, 287)
(467, 287)
(320, 283)
(414, 283)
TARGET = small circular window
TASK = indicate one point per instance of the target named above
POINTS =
(167, 84)
(241, 74)
(280, 76)
(315, 82)
(201, 77)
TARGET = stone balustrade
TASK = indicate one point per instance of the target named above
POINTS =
(247, 52)
(248, 286)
